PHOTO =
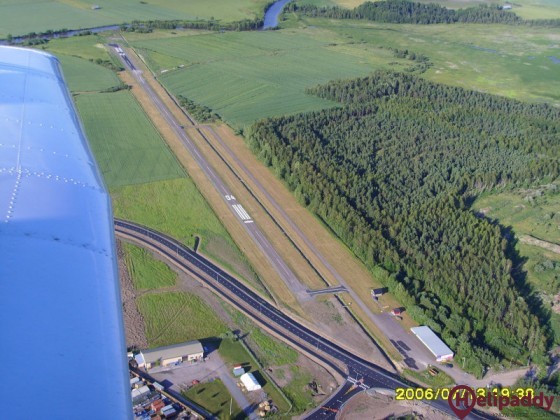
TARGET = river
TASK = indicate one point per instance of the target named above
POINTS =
(271, 15)
(270, 21)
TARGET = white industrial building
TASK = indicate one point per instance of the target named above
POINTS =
(437, 347)
(170, 355)
(250, 382)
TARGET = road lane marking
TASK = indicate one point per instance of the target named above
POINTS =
(241, 212)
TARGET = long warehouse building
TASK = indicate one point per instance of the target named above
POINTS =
(436, 346)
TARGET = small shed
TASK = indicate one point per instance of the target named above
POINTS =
(238, 370)
(436, 346)
(250, 382)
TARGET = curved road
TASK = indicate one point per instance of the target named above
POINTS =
(362, 374)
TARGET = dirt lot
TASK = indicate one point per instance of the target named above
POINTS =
(133, 320)
(364, 406)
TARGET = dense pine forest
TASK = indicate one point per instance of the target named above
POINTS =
(404, 11)
(392, 172)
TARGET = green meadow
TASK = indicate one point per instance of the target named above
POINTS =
(534, 212)
(22, 17)
(128, 148)
(176, 207)
(251, 75)
(175, 317)
(85, 76)
(215, 398)
(146, 272)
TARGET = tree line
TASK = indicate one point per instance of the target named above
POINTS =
(392, 172)
(404, 11)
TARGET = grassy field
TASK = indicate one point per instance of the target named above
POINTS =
(89, 47)
(177, 208)
(297, 391)
(234, 353)
(250, 75)
(19, 18)
(128, 150)
(269, 351)
(147, 273)
(533, 212)
(174, 317)
(215, 398)
(506, 60)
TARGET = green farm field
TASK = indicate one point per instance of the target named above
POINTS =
(89, 47)
(174, 317)
(245, 76)
(128, 148)
(251, 75)
(85, 76)
(146, 272)
(19, 18)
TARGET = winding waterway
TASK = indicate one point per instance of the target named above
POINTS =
(270, 21)
(271, 15)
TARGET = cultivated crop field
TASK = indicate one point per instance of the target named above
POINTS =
(250, 75)
(18, 18)
(245, 76)
(85, 76)
(128, 149)
(146, 272)
(174, 317)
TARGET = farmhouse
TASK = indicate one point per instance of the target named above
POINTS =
(437, 347)
(170, 355)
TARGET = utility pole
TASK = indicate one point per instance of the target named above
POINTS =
(230, 406)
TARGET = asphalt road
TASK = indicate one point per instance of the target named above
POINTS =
(364, 374)
(286, 274)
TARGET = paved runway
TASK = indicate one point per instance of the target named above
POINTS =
(291, 280)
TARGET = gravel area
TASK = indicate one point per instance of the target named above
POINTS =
(364, 406)
(133, 320)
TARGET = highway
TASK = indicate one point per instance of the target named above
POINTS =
(285, 273)
(361, 374)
